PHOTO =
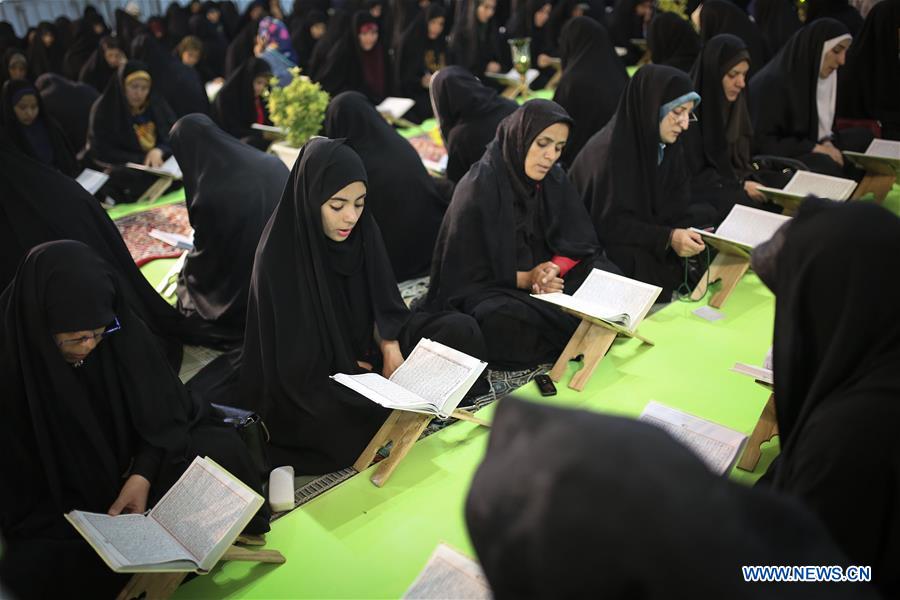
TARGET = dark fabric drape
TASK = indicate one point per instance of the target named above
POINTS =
(234, 108)
(722, 16)
(401, 195)
(417, 55)
(467, 113)
(228, 209)
(544, 524)
(83, 45)
(474, 44)
(592, 81)
(625, 25)
(777, 21)
(70, 104)
(178, 83)
(302, 39)
(840, 10)
(96, 72)
(42, 58)
(348, 68)
(672, 41)
(835, 355)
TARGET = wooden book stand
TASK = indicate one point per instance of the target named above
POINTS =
(766, 428)
(729, 266)
(156, 189)
(153, 586)
(403, 428)
(879, 178)
(591, 340)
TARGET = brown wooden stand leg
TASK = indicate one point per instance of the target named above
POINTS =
(877, 183)
(156, 189)
(766, 428)
(403, 428)
(151, 586)
(590, 340)
(725, 267)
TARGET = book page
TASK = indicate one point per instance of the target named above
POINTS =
(182, 242)
(749, 226)
(759, 373)
(618, 295)
(804, 183)
(395, 107)
(129, 540)
(435, 372)
(884, 148)
(203, 506)
(384, 392)
(92, 180)
(450, 574)
(717, 446)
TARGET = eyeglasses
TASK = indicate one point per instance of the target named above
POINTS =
(691, 116)
(111, 328)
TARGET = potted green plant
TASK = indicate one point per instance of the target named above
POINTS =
(299, 110)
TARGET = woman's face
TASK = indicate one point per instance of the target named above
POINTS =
(834, 58)
(113, 57)
(76, 345)
(317, 30)
(735, 80)
(368, 39)
(542, 15)
(26, 109)
(190, 57)
(259, 85)
(485, 10)
(375, 11)
(675, 123)
(136, 91)
(341, 212)
(47, 38)
(18, 70)
(545, 151)
(435, 28)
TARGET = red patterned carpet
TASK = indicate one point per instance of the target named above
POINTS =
(135, 230)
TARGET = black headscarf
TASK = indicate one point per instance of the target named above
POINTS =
(722, 16)
(401, 195)
(111, 136)
(592, 81)
(338, 26)
(869, 84)
(411, 64)
(777, 21)
(571, 503)
(177, 21)
(84, 44)
(128, 27)
(214, 43)
(43, 140)
(840, 10)
(69, 103)
(59, 208)
(312, 308)
(302, 39)
(346, 67)
(467, 113)
(721, 138)
(783, 94)
(228, 208)
(96, 72)
(474, 44)
(496, 204)
(672, 41)
(8, 56)
(178, 83)
(563, 12)
(69, 433)
(43, 59)
(522, 22)
(625, 25)
(234, 108)
(836, 351)
(617, 172)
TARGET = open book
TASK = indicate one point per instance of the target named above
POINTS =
(92, 180)
(169, 168)
(212, 89)
(189, 529)
(610, 298)
(432, 380)
(394, 108)
(717, 446)
(743, 229)
(804, 183)
(275, 129)
(182, 242)
(760, 374)
(450, 574)
(512, 77)
(882, 156)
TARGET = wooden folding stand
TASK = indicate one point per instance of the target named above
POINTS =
(156, 189)
(729, 266)
(766, 428)
(879, 178)
(591, 340)
(403, 428)
(153, 586)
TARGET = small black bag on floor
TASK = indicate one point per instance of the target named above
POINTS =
(252, 431)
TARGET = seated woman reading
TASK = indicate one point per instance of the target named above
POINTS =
(323, 300)
(95, 420)
(633, 178)
(129, 123)
(515, 227)
(240, 104)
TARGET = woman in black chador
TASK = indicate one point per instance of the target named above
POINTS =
(94, 419)
(515, 227)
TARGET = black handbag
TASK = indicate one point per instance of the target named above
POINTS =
(252, 431)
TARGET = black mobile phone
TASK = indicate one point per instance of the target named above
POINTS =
(545, 384)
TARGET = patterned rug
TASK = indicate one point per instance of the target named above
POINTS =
(135, 230)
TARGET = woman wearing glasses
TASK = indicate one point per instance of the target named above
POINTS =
(633, 178)
(93, 419)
